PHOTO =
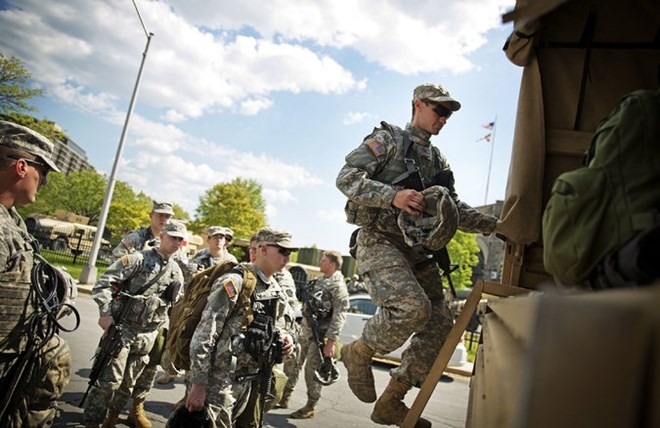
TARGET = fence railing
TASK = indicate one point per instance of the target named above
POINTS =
(70, 244)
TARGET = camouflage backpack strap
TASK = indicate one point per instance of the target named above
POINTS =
(249, 284)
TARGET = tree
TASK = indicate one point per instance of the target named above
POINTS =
(14, 97)
(237, 205)
(82, 193)
(463, 250)
(14, 94)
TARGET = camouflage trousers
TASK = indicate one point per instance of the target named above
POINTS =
(35, 400)
(290, 366)
(115, 384)
(226, 397)
(411, 302)
(311, 360)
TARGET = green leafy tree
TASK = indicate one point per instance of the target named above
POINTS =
(82, 193)
(14, 93)
(463, 250)
(238, 205)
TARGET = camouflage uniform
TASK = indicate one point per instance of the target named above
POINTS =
(204, 260)
(139, 327)
(138, 240)
(403, 281)
(213, 361)
(36, 404)
(251, 416)
(330, 307)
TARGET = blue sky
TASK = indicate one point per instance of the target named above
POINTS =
(274, 90)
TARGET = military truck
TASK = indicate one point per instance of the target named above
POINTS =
(63, 236)
(552, 356)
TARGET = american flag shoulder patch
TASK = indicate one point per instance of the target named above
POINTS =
(230, 288)
(376, 148)
(125, 261)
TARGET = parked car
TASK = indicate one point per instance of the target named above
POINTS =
(361, 309)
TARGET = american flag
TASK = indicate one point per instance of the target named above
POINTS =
(485, 137)
(489, 125)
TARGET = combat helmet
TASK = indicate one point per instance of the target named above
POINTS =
(181, 417)
(437, 224)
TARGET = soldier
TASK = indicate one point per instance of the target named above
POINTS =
(25, 161)
(218, 239)
(142, 239)
(329, 302)
(356, 285)
(223, 363)
(379, 179)
(252, 415)
(149, 281)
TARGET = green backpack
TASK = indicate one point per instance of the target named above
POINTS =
(593, 211)
(187, 312)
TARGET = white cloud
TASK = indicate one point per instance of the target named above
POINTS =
(198, 61)
(357, 117)
(333, 216)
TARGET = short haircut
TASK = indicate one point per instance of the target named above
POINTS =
(335, 257)
(9, 155)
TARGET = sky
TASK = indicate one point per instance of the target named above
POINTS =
(278, 91)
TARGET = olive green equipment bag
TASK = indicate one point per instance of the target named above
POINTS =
(187, 312)
(594, 211)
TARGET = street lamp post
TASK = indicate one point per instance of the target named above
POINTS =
(88, 274)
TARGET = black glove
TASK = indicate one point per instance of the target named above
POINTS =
(259, 335)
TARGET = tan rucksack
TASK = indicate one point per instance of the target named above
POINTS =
(187, 312)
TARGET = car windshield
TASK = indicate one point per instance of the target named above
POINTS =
(362, 306)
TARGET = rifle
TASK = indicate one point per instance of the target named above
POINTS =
(326, 373)
(267, 360)
(108, 349)
(412, 179)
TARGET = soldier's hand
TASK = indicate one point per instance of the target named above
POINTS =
(410, 201)
(329, 348)
(287, 349)
(106, 321)
(196, 397)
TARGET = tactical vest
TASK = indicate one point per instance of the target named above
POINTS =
(395, 168)
(15, 291)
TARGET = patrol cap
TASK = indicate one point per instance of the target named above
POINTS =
(162, 207)
(219, 230)
(175, 229)
(19, 137)
(435, 93)
(280, 238)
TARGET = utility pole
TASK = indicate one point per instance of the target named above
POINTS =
(88, 274)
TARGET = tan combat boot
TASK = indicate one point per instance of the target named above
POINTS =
(284, 402)
(110, 419)
(357, 359)
(306, 412)
(390, 409)
(136, 416)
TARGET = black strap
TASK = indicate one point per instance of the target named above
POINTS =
(409, 161)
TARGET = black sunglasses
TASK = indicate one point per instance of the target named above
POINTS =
(440, 110)
(283, 251)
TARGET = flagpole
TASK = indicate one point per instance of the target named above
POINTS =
(490, 161)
